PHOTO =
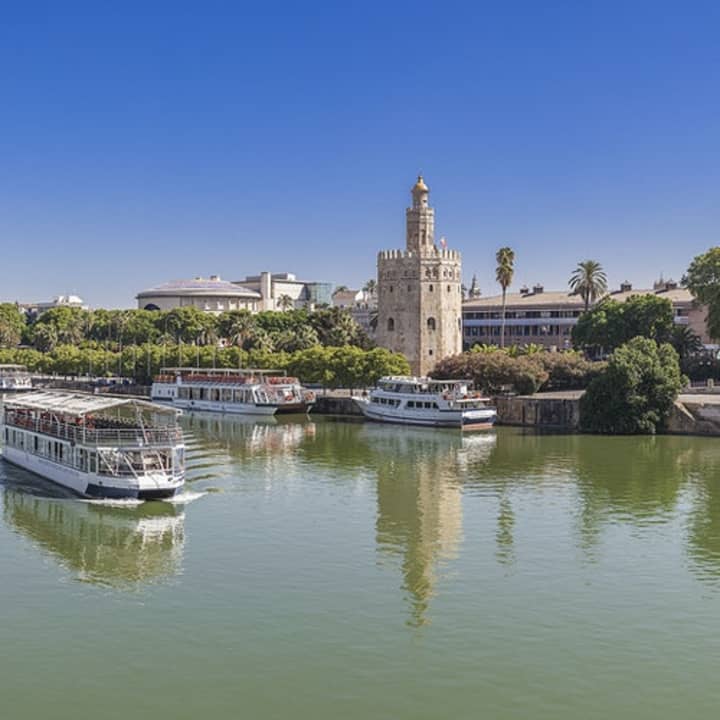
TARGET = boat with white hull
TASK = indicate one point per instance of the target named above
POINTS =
(242, 392)
(426, 402)
(14, 378)
(96, 446)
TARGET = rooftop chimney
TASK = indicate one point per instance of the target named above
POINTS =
(625, 286)
(537, 289)
(524, 290)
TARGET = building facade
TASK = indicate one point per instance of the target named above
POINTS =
(362, 306)
(419, 292)
(212, 295)
(547, 317)
(283, 291)
(34, 310)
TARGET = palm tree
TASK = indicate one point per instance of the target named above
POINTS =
(241, 328)
(589, 281)
(285, 302)
(685, 341)
(505, 258)
(370, 287)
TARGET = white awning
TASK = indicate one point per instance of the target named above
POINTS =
(73, 403)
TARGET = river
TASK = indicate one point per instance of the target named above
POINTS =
(327, 569)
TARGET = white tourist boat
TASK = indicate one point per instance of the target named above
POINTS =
(95, 445)
(424, 401)
(242, 391)
(14, 378)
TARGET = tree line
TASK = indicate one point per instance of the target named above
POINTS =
(270, 331)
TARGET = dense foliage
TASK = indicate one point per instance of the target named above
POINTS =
(703, 281)
(610, 324)
(495, 370)
(113, 329)
(635, 392)
(343, 366)
(12, 325)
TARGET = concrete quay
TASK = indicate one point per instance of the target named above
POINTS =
(693, 413)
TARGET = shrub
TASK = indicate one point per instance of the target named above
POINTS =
(635, 392)
(568, 370)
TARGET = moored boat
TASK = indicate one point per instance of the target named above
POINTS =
(14, 378)
(242, 391)
(96, 446)
(424, 401)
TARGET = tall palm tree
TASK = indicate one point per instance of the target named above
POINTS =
(589, 281)
(285, 302)
(505, 258)
(370, 286)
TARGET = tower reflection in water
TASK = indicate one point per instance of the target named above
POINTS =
(121, 547)
(419, 502)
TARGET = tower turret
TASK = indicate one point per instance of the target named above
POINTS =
(420, 220)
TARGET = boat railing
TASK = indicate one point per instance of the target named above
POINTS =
(89, 435)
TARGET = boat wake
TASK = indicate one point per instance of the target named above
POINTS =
(113, 502)
(187, 496)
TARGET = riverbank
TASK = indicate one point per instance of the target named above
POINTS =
(693, 413)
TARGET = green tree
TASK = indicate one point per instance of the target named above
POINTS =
(236, 326)
(685, 341)
(68, 325)
(612, 323)
(505, 258)
(12, 325)
(635, 392)
(589, 281)
(703, 280)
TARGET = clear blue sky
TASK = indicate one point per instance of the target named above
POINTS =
(141, 142)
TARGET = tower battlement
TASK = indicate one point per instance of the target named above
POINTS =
(437, 253)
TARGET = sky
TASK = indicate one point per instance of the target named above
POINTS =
(144, 142)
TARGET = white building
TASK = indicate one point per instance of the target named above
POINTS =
(70, 301)
(283, 291)
(213, 295)
(361, 304)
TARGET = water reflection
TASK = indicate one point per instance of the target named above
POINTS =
(419, 502)
(106, 545)
(247, 434)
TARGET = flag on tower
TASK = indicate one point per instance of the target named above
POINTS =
(443, 243)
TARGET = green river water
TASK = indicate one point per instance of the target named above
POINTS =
(325, 569)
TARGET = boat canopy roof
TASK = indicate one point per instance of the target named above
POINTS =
(222, 371)
(411, 380)
(79, 404)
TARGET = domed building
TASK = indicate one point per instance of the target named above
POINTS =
(213, 295)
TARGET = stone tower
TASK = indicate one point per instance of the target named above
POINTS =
(419, 292)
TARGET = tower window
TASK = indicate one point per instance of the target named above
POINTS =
(431, 323)
(391, 288)
(448, 288)
(409, 288)
(430, 288)
(391, 324)
(430, 352)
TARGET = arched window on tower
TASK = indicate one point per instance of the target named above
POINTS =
(391, 324)
(430, 288)
(431, 323)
